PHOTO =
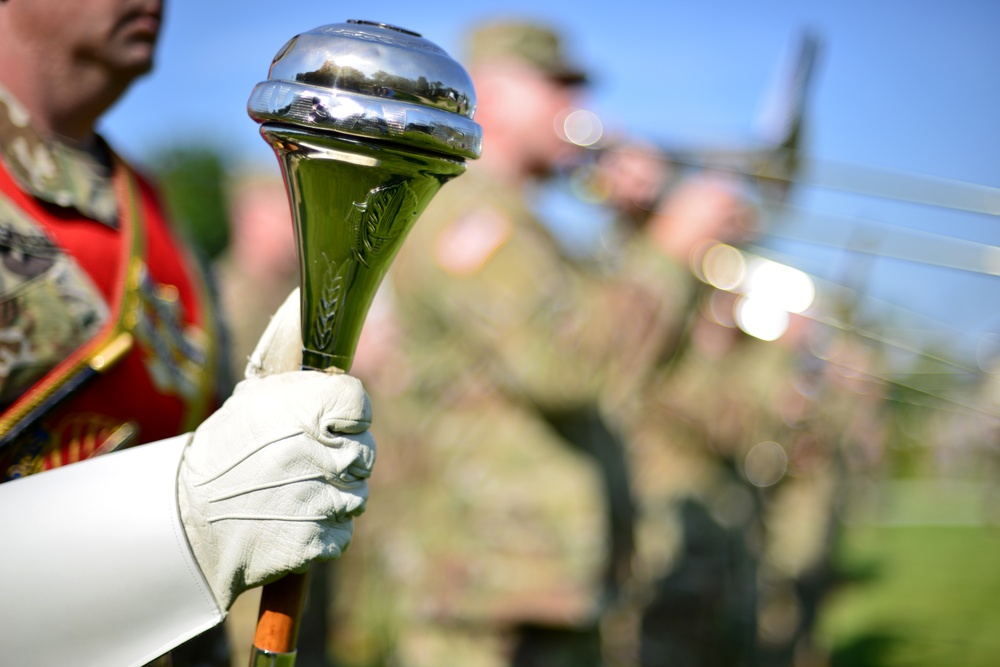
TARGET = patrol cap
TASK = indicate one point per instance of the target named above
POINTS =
(533, 43)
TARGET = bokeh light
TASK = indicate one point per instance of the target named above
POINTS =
(723, 266)
(582, 127)
(785, 287)
(765, 464)
(761, 318)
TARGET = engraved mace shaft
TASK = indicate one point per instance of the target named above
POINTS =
(367, 121)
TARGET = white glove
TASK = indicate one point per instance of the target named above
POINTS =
(272, 480)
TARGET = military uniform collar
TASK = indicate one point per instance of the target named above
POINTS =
(55, 171)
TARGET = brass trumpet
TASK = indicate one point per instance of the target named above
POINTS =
(367, 121)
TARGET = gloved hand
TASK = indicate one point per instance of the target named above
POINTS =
(273, 479)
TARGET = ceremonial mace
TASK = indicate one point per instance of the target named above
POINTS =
(368, 121)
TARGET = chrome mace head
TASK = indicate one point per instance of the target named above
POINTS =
(372, 81)
(367, 121)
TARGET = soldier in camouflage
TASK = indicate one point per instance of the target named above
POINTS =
(508, 356)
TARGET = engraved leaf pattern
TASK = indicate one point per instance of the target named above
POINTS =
(331, 301)
(381, 217)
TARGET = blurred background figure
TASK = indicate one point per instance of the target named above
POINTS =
(698, 594)
(511, 353)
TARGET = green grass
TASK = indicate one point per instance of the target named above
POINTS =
(916, 595)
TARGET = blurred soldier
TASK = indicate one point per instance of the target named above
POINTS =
(108, 340)
(692, 598)
(735, 474)
(509, 353)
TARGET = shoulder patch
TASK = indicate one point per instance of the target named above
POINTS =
(464, 246)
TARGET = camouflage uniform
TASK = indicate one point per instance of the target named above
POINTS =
(508, 353)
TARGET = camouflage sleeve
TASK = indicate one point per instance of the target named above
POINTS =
(502, 298)
(48, 305)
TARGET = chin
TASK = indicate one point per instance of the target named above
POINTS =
(138, 62)
(130, 55)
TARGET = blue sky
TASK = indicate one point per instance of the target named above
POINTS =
(907, 86)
